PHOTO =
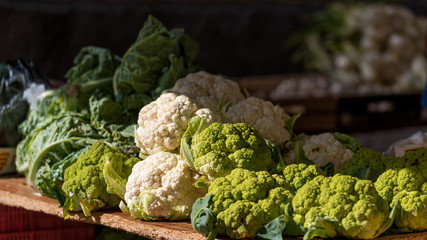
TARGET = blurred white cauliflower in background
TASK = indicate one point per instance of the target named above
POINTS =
(322, 149)
(370, 48)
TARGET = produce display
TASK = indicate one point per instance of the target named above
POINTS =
(363, 48)
(151, 134)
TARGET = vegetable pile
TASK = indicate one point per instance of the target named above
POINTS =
(150, 134)
(363, 47)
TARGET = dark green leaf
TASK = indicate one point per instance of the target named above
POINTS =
(276, 155)
(328, 169)
(175, 71)
(274, 229)
(202, 218)
(348, 140)
(92, 63)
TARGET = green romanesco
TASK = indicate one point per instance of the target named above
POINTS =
(244, 201)
(220, 148)
(406, 181)
(299, 174)
(352, 205)
(84, 181)
(368, 157)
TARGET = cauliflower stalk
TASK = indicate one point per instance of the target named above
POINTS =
(218, 149)
(85, 180)
(341, 206)
(162, 123)
(161, 188)
(407, 183)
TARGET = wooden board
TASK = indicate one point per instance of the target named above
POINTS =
(16, 192)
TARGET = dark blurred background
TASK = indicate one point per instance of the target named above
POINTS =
(237, 38)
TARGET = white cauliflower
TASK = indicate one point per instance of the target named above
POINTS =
(208, 89)
(322, 149)
(161, 188)
(267, 119)
(162, 123)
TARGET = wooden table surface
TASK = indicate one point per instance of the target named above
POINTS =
(16, 192)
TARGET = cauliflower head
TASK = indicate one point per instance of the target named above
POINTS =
(366, 157)
(222, 147)
(353, 203)
(161, 187)
(208, 89)
(406, 181)
(84, 181)
(244, 201)
(322, 149)
(162, 123)
(269, 120)
(299, 174)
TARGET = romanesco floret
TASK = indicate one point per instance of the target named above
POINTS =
(322, 149)
(299, 174)
(161, 188)
(244, 201)
(162, 123)
(367, 157)
(220, 148)
(406, 180)
(353, 203)
(84, 181)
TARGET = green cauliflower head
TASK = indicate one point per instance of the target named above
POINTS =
(353, 203)
(244, 201)
(407, 182)
(220, 148)
(299, 174)
(84, 180)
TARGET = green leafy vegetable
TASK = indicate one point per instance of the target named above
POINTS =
(348, 140)
(152, 64)
(202, 218)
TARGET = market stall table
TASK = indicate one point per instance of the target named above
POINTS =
(16, 192)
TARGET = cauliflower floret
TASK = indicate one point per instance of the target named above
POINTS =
(161, 187)
(208, 89)
(267, 119)
(322, 149)
(162, 123)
